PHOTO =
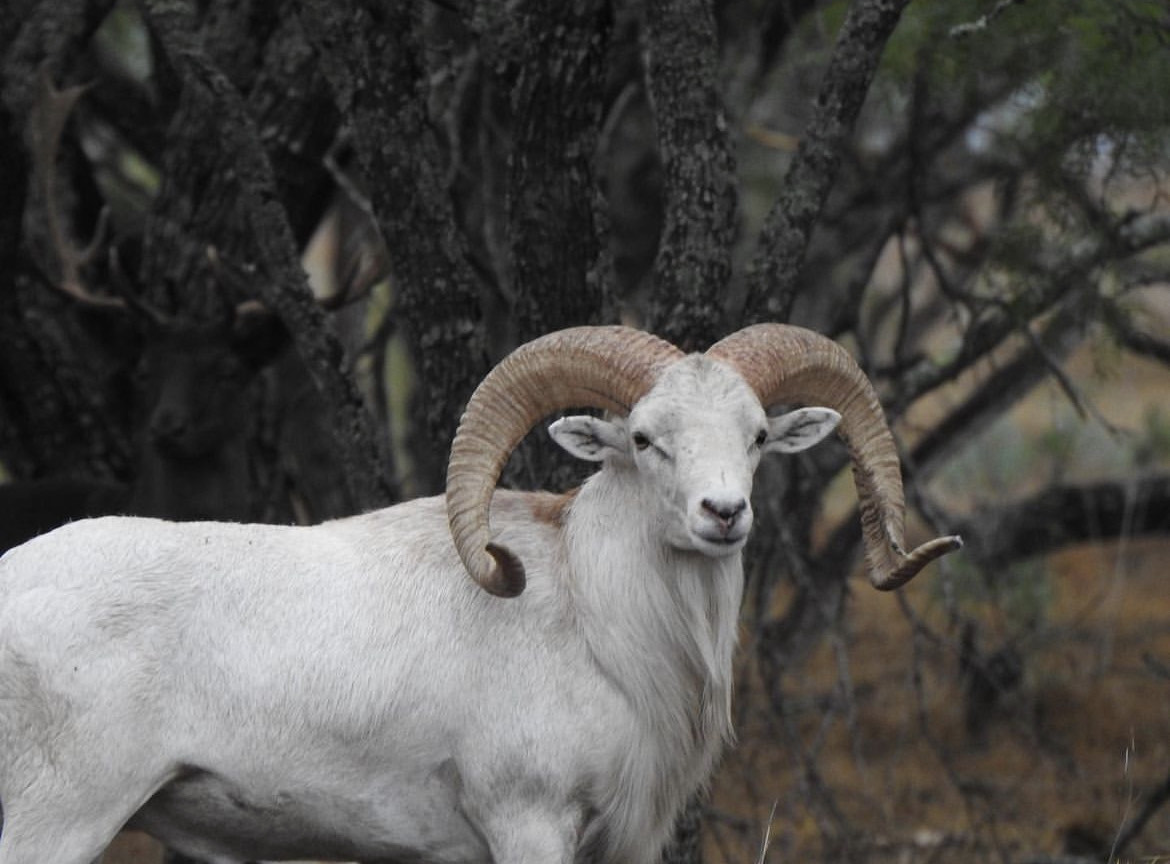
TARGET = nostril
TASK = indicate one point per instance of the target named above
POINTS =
(725, 511)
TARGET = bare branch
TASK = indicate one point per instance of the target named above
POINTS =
(961, 31)
(1135, 340)
(1065, 514)
(1061, 270)
(1080, 402)
(784, 238)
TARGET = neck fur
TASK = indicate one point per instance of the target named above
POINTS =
(662, 625)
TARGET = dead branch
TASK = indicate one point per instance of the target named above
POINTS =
(772, 274)
(1067, 514)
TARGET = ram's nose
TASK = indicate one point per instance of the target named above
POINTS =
(721, 525)
(725, 512)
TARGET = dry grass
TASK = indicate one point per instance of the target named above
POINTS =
(1063, 763)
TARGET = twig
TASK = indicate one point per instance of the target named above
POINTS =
(962, 31)
(1081, 403)
(1129, 832)
(767, 841)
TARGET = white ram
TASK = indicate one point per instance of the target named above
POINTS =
(345, 691)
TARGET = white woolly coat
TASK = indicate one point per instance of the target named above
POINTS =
(345, 690)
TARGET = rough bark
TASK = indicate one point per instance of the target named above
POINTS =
(693, 266)
(550, 60)
(372, 57)
(59, 411)
(283, 285)
(297, 124)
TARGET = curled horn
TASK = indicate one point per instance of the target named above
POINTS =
(791, 364)
(609, 368)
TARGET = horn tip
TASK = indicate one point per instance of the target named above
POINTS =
(915, 561)
(506, 577)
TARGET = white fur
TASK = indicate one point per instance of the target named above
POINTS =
(346, 691)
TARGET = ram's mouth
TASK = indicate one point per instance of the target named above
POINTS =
(717, 544)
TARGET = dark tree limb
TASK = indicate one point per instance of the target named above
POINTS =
(39, 33)
(370, 52)
(1135, 339)
(551, 60)
(772, 273)
(1067, 514)
(283, 284)
(56, 413)
(693, 267)
(1002, 389)
(293, 109)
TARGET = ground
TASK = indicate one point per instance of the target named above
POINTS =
(892, 772)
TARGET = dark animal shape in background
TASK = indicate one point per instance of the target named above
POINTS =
(196, 397)
(194, 407)
(194, 378)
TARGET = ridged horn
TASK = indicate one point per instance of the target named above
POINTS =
(783, 363)
(609, 368)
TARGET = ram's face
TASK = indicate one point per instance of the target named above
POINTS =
(695, 440)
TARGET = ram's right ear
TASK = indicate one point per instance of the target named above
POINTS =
(589, 438)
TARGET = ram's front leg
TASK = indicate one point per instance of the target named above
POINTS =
(532, 838)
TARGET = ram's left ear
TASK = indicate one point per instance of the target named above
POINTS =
(589, 438)
(798, 430)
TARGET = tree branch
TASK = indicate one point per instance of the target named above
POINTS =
(1058, 267)
(1131, 337)
(552, 60)
(371, 56)
(693, 267)
(1067, 514)
(772, 273)
(284, 287)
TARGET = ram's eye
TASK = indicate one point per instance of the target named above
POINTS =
(641, 441)
(762, 437)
